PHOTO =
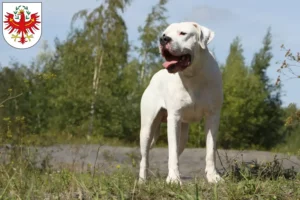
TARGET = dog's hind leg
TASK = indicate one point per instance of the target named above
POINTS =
(150, 120)
(211, 129)
(184, 135)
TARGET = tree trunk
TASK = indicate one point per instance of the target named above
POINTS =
(96, 78)
(143, 68)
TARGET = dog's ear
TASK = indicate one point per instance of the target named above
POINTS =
(205, 35)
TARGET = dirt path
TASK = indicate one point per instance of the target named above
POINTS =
(192, 161)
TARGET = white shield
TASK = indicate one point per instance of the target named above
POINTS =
(22, 24)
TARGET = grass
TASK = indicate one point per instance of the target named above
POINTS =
(21, 179)
(17, 183)
(49, 139)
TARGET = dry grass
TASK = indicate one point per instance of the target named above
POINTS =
(21, 179)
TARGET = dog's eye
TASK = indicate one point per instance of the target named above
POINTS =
(182, 33)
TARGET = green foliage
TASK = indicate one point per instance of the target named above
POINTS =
(90, 74)
(149, 33)
(242, 91)
(288, 68)
(291, 142)
(271, 105)
(261, 60)
(197, 136)
(31, 104)
(246, 117)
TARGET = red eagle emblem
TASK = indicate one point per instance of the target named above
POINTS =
(24, 26)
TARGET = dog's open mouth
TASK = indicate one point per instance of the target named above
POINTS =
(175, 63)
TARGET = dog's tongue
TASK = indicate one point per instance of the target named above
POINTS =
(168, 63)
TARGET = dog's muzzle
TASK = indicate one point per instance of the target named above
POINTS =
(175, 63)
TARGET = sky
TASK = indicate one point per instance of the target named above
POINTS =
(248, 20)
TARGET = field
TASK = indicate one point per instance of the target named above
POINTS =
(107, 172)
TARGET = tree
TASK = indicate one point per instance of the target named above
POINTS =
(289, 68)
(291, 142)
(12, 85)
(242, 96)
(155, 24)
(271, 128)
(261, 60)
(89, 66)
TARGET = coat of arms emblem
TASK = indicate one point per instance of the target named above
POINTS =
(21, 24)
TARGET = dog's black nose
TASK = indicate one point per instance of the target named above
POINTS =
(164, 40)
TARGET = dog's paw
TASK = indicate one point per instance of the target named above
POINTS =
(141, 181)
(214, 177)
(173, 180)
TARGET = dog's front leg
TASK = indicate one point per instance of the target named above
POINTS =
(174, 128)
(211, 129)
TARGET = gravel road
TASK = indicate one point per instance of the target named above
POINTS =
(108, 158)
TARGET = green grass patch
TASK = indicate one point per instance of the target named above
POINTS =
(48, 139)
(21, 179)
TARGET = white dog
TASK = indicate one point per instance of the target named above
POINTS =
(189, 88)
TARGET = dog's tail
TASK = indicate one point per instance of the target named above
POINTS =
(155, 136)
(153, 142)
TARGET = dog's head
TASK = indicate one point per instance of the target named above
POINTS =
(180, 43)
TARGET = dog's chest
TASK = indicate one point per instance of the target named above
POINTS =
(192, 104)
